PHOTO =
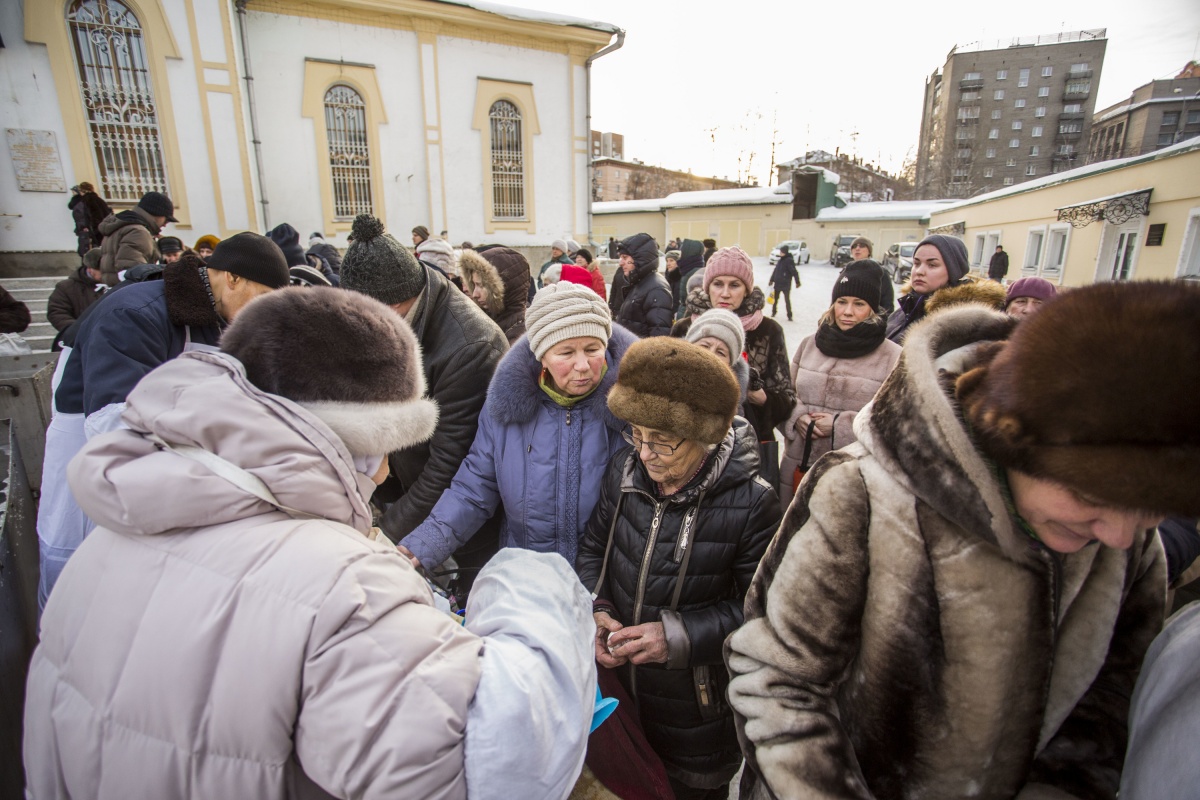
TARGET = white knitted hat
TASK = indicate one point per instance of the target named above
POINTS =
(723, 325)
(563, 311)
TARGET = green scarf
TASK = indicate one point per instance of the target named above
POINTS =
(566, 401)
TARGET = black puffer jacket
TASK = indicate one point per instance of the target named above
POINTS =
(737, 515)
(646, 307)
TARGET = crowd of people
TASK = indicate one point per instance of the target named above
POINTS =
(379, 522)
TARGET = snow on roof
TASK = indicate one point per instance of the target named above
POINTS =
(627, 206)
(529, 15)
(892, 209)
(1054, 179)
(750, 196)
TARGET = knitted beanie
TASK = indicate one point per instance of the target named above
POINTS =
(169, 244)
(954, 254)
(560, 244)
(157, 204)
(378, 266)
(731, 261)
(1107, 410)
(564, 311)
(674, 255)
(587, 254)
(572, 247)
(861, 279)
(288, 239)
(349, 360)
(573, 273)
(676, 387)
(1039, 288)
(207, 240)
(862, 241)
(253, 257)
(721, 324)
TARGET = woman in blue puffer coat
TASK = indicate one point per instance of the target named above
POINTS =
(545, 434)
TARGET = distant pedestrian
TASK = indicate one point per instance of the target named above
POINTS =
(782, 278)
(673, 276)
(691, 265)
(318, 246)
(861, 248)
(129, 235)
(710, 247)
(612, 247)
(205, 245)
(419, 234)
(88, 210)
(583, 258)
(1026, 296)
(558, 255)
(998, 266)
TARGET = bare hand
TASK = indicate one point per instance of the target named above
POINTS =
(641, 644)
(404, 551)
(824, 426)
(758, 397)
(605, 627)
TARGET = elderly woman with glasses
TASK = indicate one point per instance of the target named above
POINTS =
(670, 550)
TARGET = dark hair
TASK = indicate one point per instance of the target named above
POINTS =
(710, 243)
(421, 231)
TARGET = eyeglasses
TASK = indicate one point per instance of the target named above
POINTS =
(654, 447)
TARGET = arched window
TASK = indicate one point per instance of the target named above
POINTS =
(508, 161)
(118, 98)
(349, 152)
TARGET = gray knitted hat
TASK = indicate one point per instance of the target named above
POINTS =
(378, 266)
(723, 325)
(347, 359)
(564, 311)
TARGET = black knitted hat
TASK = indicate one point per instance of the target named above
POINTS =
(288, 239)
(349, 360)
(157, 204)
(378, 266)
(253, 257)
(861, 279)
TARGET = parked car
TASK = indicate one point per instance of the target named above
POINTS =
(898, 260)
(797, 247)
(839, 252)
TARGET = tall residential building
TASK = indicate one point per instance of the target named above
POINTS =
(608, 145)
(997, 116)
(1157, 114)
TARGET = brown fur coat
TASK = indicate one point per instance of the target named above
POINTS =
(905, 639)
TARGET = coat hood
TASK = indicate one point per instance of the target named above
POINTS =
(121, 479)
(133, 216)
(514, 393)
(914, 425)
(505, 274)
(968, 290)
(644, 250)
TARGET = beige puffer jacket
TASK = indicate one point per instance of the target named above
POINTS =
(201, 644)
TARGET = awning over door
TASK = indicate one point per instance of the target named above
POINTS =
(1115, 208)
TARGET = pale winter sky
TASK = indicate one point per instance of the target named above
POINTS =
(697, 84)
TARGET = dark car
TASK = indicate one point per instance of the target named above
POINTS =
(839, 252)
(897, 261)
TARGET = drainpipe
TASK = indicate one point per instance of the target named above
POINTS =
(258, 161)
(615, 45)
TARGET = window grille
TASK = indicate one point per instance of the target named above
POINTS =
(118, 98)
(508, 161)
(349, 152)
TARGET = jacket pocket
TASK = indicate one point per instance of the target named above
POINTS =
(710, 696)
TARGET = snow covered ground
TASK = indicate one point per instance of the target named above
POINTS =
(808, 302)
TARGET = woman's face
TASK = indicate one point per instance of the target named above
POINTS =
(479, 293)
(575, 365)
(1066, 522)
(860, 252)
(674, 468)
(929, 272)
(1024, 307)
(204, 252)
(626, 262)
(580, 261)
(716, 347)
(849, 311)
(726, 292)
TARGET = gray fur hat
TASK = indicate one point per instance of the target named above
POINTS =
(723, 325)
(347, 359)
(378, 266)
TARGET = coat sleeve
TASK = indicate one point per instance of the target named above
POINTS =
(802, 631)
(387, 682)
(136, 247)
(708, 627)
(460, 398)
(14, 315)
(121, 348)
(470, 501)
(659, 312)
(59, 311)
(788, 429)
(1085, 756)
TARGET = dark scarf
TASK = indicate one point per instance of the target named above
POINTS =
(859, 341)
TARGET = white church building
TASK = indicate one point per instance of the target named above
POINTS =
(466, 117)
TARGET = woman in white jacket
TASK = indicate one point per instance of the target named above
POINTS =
(229, 631)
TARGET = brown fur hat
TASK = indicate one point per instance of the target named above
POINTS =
(968, 290)
(675, 386)
(347, 359)
(1097, 392)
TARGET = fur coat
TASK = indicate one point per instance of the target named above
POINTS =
(904, 638)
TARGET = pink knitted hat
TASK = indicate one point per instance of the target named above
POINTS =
(730, 261)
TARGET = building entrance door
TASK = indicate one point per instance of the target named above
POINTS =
(1118, 251)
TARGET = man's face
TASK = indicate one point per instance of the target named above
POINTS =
(860, 252)
(556, 253)
(161, 222)
(95, 275)
(171, 258)
(232, 293)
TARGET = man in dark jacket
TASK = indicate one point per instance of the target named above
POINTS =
(998, 266)
(317, 246)
(288, 239)
(125, 337)
(781, 280)
(129, 235)
(691, 261)
(88, 210)
(71, 296)
(646, 308)
(461, 347)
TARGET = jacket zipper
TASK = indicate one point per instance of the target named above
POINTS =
(644, 572)
(685, 533)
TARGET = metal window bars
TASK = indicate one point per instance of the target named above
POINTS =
(508, 161)
(349, 152)
(118, 97)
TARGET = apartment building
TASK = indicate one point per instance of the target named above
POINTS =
(1157, 115)
(999, 114)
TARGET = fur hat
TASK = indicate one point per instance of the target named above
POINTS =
(731, 261)
(379, 266)
(564, 311)
(1097, 392)
(1039, 288)
(969, 290)
(253, 257)
(862, 279)
(674, 255)
(954, 254)
(207, 240)
(722, 324)
(349, 360)
(674, 386)
(288, 239)
(91, 259)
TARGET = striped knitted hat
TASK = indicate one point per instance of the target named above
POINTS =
(564, 311)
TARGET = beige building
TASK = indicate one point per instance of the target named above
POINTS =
(1136, 218)
(884, 224)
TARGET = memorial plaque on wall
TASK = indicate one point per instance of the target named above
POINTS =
(34, 156)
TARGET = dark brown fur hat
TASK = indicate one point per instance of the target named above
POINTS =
(675, 386)
(349, 360)
(1098, 392)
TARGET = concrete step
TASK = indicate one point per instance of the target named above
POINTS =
(47, 282)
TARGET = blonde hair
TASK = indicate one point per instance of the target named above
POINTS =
(829, 317)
